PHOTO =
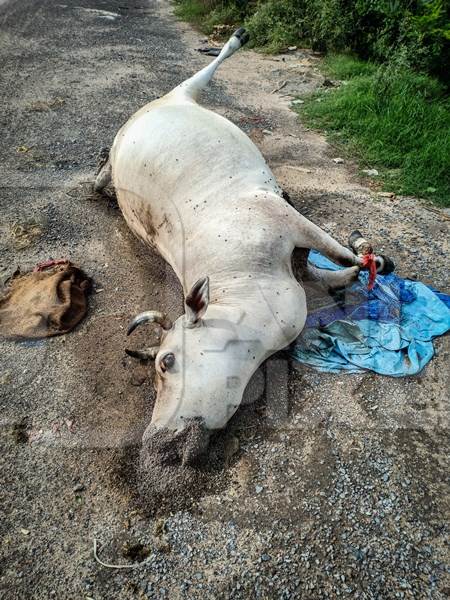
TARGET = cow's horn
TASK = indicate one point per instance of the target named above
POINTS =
(146, 354)
(150, 316)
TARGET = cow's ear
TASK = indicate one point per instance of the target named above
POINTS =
(197, 300)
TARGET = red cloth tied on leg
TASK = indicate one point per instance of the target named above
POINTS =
(368, 261)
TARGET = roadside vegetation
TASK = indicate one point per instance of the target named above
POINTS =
(391, 119)
(393, 111)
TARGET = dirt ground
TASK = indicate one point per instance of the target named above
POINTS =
(322, 486)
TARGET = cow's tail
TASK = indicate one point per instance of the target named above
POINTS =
(195, 84)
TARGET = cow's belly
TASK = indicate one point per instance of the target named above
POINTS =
(180, 171)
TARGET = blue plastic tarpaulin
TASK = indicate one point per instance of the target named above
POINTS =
(388, 330)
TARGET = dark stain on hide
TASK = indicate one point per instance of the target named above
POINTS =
(147, 222)
(166, 223)
(140, 214)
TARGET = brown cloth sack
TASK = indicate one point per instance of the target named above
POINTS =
(43, 303)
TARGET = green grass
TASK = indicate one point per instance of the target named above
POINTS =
(345, 66)
(391, 119)
(204, 15)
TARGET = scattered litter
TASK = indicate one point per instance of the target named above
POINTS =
(295, 102)
(258, 489)
(292, 48)
(97, 12)
(386, 194)
(43, 303)
(24, 149)
(370, 172)
(79, 487)
(280, 87)
(267, 132)
(338, 161)
(25, 233)
(5, 378)
(210, 51)
(43, 106)
(25, 531)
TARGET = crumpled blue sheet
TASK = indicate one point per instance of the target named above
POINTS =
(388, 330)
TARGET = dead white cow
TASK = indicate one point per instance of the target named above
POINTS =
(193, 186)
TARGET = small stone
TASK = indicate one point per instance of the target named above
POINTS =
(298, 101)
(338, 161)
(370, 172)
(79, 487)
(265, 557)
(25, 531)
(386, 194)
(267, 132)
(258, 489)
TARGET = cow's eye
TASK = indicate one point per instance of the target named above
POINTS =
(167, 361)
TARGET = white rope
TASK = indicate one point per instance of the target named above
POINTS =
(109, 566)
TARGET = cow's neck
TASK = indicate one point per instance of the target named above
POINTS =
(270, 310)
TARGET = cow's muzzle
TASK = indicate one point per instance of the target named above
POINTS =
(164, 447)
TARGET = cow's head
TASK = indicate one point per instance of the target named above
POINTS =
(202, 369)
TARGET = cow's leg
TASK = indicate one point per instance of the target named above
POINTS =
(330, 280)
(103, 178)
(195, 84)
(308, 235)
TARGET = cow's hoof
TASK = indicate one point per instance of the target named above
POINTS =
(242, 35)
(102, 159)
(388, 265)
(359, 244)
